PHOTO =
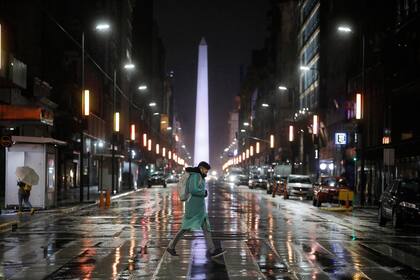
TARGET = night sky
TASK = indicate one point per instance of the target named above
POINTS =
(232, 30)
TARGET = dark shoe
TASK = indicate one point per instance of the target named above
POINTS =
(218, 252)
(172, 252)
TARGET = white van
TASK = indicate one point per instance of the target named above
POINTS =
(299, 185)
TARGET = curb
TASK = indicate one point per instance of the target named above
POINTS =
(14, 224)
(337, 209)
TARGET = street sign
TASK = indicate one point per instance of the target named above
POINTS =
(6, 141)
(340, 138)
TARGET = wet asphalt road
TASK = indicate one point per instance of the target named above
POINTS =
(265, 238)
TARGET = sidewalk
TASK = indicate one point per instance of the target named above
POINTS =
(10, 220)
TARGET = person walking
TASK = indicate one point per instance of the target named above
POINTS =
(195, 216)
(23, 194)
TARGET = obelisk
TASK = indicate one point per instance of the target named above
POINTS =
(201, 144)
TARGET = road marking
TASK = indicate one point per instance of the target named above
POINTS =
(239, 261)
(170, 267)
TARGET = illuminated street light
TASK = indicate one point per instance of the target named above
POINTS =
(243, 130)
(144, 140)
(227, 149)
(133, 132)
(152, 104)
(86, 105)
(344, 29)
(117, 122)
(156, 114)
(149, 145)
(246, 123)
(271, 141)
(315, 125)
(102, 27)
(265, 105)
(359, 106)
(282, 88)
(291, 134)
(129, 66)
(142, 87)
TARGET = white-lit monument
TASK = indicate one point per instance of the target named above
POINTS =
(201, 144)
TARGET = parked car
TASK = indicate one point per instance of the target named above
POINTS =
(327, 188)
(400, 203)
(258, 181)
(156, 179)
(280, 184)
(172, 178)
(299, 185)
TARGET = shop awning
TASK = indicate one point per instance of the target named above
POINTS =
(15, 113)
(38, 140)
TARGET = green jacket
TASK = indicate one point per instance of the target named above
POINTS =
(195, 208)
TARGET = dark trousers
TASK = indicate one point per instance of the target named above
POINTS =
(207, 235)
(24, 198)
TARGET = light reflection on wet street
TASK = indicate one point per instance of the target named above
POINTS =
(265, 238)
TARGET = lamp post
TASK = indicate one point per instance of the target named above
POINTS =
(130, 67)
(99, 27)
(81, 171)
(359, 141)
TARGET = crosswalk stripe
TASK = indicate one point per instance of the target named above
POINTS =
(240, 264)
(170, 267)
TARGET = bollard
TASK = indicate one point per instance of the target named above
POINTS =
(101, 199)
(108, 199)
(347, 200)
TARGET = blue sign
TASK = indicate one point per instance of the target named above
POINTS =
(340, 138)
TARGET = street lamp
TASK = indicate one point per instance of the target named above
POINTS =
(149, 145)
(344, 29)
(144, 140)
(102, 27)
(359, 106)
(282, 88)
(265, 105)
(359, 141)
(129, 66)
(86, 105)
(291, 133)
(142, 87)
